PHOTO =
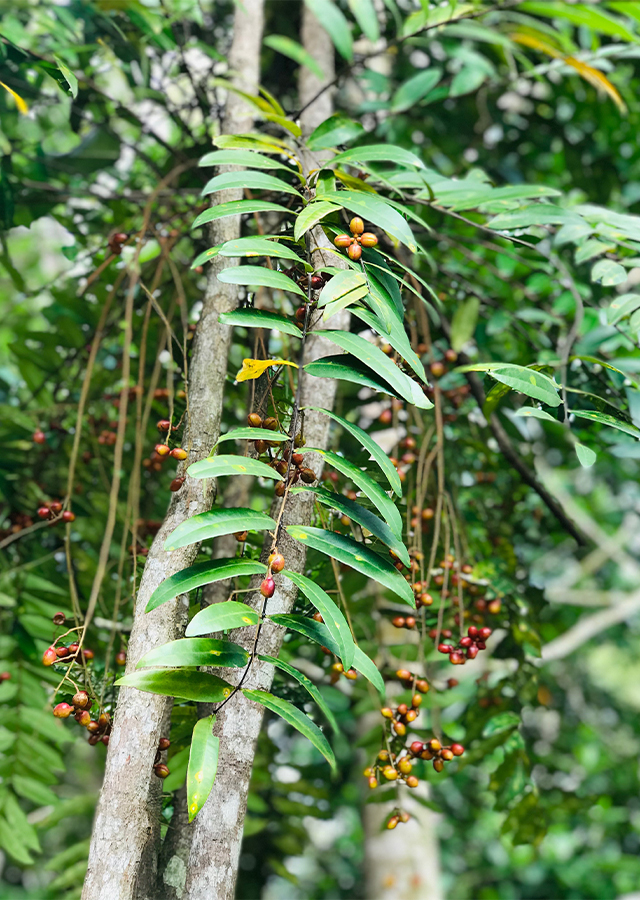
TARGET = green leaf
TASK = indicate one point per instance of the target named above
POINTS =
(381, 365)
(586, 456)
(493, 398)
(376, 451)
(202, 573)
(260, 318)
(294, 51)
(468, 79)
(378, 211)
(348, 285)
(362, 516)
(182, 683)
(236, 208)
(333, 617)
(622, 306)
(307, 684)
(205, 256)
(604, 419)
(226, 464)
(253, 180)
(385, 153)
(332, 19)
(580, 14)
(247, 158)
(607, 273)
(396, 337)
(538, 214)
(69, 77)
(463, 323)
(364, 13)
(347, 368)
(196, 652)
(258, 246)
(259, 276)
(413, 90)
(367, 485)
(526, 381)
(203, 765)
(295, 717)
(216, 522)
(34, 790)
(337, 129)
(13, 844)
(311, 215)
(266, 143)
(531, 412)
(356, 555)
(222, 617)
(318, 632)
(252, 434)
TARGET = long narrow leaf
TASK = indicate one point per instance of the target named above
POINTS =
(236, 208)
(195, 652)
(222, 617)
(182, 683)
(215, 523)
(202, 573)
(203, 765)
(227, 464)
(259, 276)
(333, 617)
(260, 318)
(307, 684)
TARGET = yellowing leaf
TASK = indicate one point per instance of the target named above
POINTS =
(593, 76)
(22, 106)
(254, 368)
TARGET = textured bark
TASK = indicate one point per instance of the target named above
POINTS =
(124, 846)
(217, 830)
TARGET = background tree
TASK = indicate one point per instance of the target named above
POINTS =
(518, 269)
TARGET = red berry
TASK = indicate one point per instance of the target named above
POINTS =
(268, 587)
(93, 727)
(88, 654)
(444, 648)
(176, 484)
(59, 618)
(83, 717)
(44, 512)
(162, 449)
(55, 507)
(472, 651)
(94, 739)
(398, 622)
(466, 642)
(121, 658)
(416, 747)
(276, 562)
(410, 622)
(481, 645)
(163, 743)
(354, 252)
(61, 652)
(68, 516)
(179, 453)
(163, 425)
(73, 648)
(457, 749)
(161, 770)
(105, 739)
(472, 631)
(456, 658)
(39, 437)
(62, 711)
(484, 633)
(5, 676)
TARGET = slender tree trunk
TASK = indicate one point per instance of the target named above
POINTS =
(124, 846)
(217, 830)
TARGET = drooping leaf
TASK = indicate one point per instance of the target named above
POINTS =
(362, 516)
(381, 365)
(376, 210)
(356, 555)
(463, 323)
(580, 14)
(293, 50)
(386, 153)
(311, 215)
(227, 464)
(252, 180)
(247, 433)
(265, 143)
(69, 77)
(319, 633)
(195, 652)
(526, 381)
(254, 368)
(236, 208)
(368, 486)
(205, 256)
(260, 318)
(347, 368)
(203, 765)
(307, 684)
(396, 337)
(202, 573)
(586, 455)
(246, 158)
(531, 412)
(376, 451)
(337, 129)
(413, 90)
(182, 683)
(622, 306)
(295, 717)
(364, 13)
(258, 246)
(259, 276)
(333, 617)
(332, 19)
(221, 617)
(604, 419)
(216, 522)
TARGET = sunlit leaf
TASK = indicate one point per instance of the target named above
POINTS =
(203, 765)
(311, 215)
(222, 617)
(195, 652)
(182, 683)
(307, 684)
(259, 276)
(251, 180)
(227, 464)
(215, 523)
(586, 455)
(202, 573)
(260, 318)
(236, 208)
(258, 246)
(333, 617)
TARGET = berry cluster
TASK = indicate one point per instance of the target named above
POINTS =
(467, 647)
(286, 463)
(354, 242)
(433, 750)
(392, 768)
(69, 653)
(53, 509)
(404, 714)
(161, 769)
(80, 707)
(398, 815)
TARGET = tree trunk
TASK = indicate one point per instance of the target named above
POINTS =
(217, 830)
(126, 833)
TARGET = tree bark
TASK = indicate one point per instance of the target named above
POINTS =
(217, 830)
(126, 833)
